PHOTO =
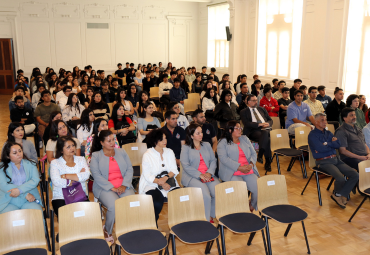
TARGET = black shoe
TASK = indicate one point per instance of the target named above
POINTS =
(268, 166)
(260, 159)
(57, 238)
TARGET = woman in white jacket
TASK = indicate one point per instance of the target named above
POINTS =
(85, 128)
(156, 160)
(73, 108)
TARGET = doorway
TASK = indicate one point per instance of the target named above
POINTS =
(7, 78)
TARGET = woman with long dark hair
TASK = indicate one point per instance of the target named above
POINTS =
(85, 128)
(121, 98)
(184, 84)
(76, 72)
(132, 95)
(98, 126)
(353, 101)
(147, 122)
(225, 110)
(130, 76)
(238, 159)
(226, 85)
(199, 165)
(89, 95)
(209, 102)
(121, 125)
(197, 85)
(56, 115)
(143, 98)
(75, 85)
(19, 178)
(206, 86)
(112, 172)
(17, 135)
(100, 108)
(73, 109)
(59, 129)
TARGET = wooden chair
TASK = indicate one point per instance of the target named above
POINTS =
(154, 93)
(22, 230)
(232, 212)
(135, 222)
(316, 171)
(124, 81)
(195, 97)
(331, 128)
(135, 151)
(275, 123)
(187, 220)
(280, 146)
(190, 86)
(110, 105)
(363, 183)
(273, 204)
(80, 227)
(163, 123)
(301, 138)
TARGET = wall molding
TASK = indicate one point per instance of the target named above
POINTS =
(153, 12)
(126, 11)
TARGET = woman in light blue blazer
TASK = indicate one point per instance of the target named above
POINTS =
(112, 172)
(237, 159)
(198, 165)
(19, 179)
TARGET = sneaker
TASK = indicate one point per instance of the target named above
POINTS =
(338, 200)
(41, 145)
(344, 200)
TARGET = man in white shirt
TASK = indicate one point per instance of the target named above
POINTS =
(164, 90)
(257, 125)
(243, 79)
(64, 98)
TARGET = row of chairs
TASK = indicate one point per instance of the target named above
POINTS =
(80, 226)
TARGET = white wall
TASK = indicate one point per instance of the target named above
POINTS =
(54, 32)
(322, 43)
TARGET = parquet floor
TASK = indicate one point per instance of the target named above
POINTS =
(327, 226)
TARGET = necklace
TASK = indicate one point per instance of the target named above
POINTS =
(111, 157)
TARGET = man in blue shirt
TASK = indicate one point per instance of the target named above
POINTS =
(297, 113)
(243, 91)
(323, 146)
(322, 97)
(177, 94)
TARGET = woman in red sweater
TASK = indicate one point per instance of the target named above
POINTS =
(269, 103)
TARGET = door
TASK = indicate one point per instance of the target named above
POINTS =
(7, 78)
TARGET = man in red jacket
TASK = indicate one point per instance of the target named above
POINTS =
(269, 103)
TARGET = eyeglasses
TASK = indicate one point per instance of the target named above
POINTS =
(239, 128)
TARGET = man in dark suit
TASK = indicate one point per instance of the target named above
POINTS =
(257, 125)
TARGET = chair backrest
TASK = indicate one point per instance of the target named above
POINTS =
(190, 85)
(21, 229)
(275, 123)
(154, 92)
(194, 97)
(124, 81)
(185, 204)
(312, 161)
(364, 175)
(134, 212)
(190, 105)
(279, 139)
(110, 105)
(231, 197)
(301, 136)
(272, 190)
(135, 151)
(331, 128)
(78, 221)
(163, 123)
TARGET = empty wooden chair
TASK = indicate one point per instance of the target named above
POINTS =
(275, 123)
(136, 228)
(232, 212)
(135, 151)
(187, 219)
(363, 182)
(80, 229)
(22, 232)
(315, 171)
(279, 139)
(273, 204)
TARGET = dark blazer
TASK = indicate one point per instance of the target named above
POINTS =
(250, 126)
(224, 113)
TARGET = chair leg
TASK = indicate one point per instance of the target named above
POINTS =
(305, 236)
(47, 233)
(277, 162)
(118, 249)
(288, 229)
(47, 200)
(209, 247)
(307, 183)
(173, 244)
(218, 247)
(268, 235)
(251, 238)
(292, 161)
(330, 183)
(52, 232)
(222, 239)
(264, 242)
(160, 252)
(318, 187)
(358, 208)
(304, 166)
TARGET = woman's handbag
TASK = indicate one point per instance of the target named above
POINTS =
(171, 180)
(74, 193)
(73, 123)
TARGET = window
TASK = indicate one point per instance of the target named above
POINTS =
(218, 46)
(356, 75)
(279, 38)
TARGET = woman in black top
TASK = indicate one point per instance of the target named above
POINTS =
(184, 84)
(197, 85)
(226, 110)
(121, 125)
(100, 108)
(132, 95)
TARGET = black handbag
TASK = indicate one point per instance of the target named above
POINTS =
(171, 180)
(73, 123)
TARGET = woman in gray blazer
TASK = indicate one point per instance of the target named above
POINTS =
(112, 172)
(237, 159)
(199, 164)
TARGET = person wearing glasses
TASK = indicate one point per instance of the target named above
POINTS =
(226, 110)
(238, 159)
(257, 125)
(314, 104)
